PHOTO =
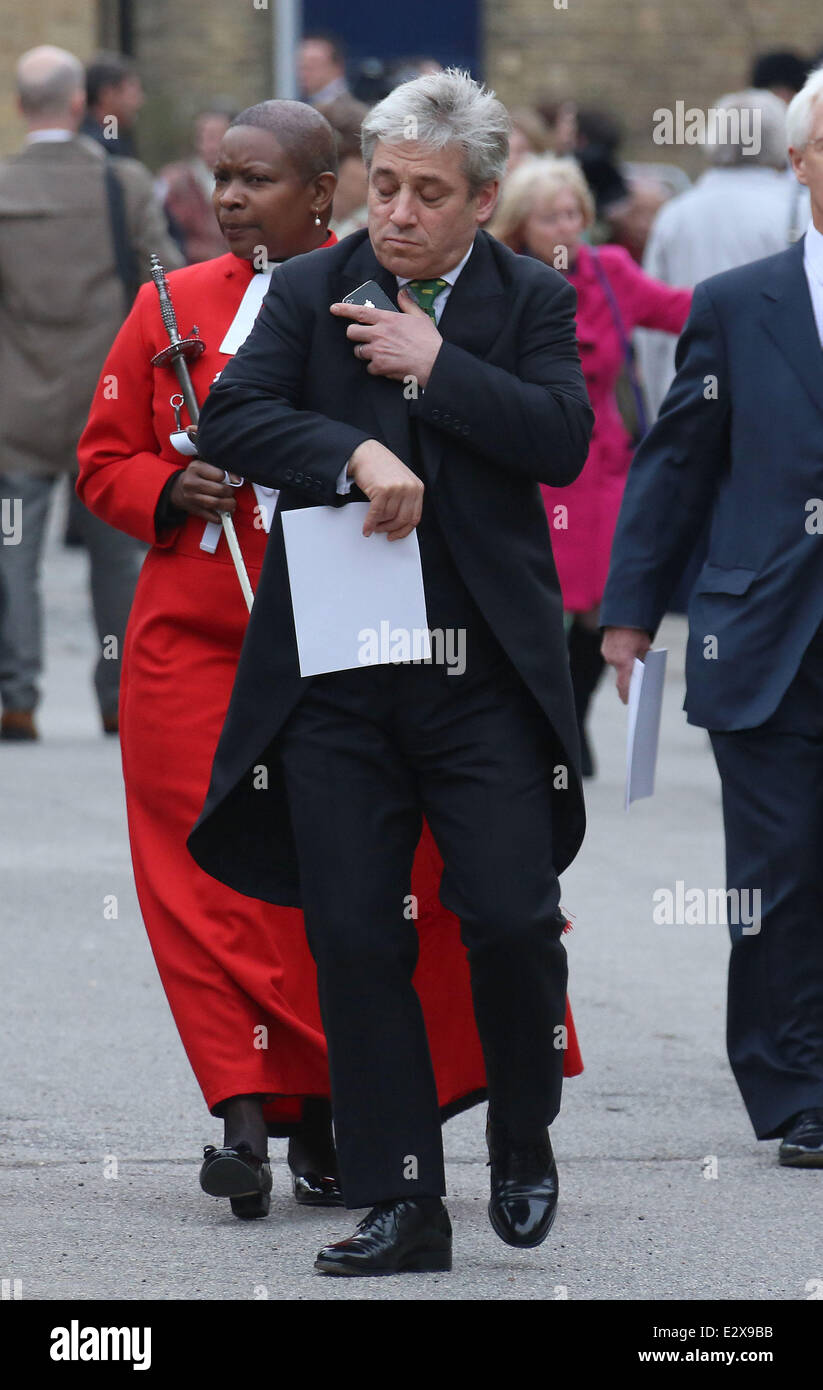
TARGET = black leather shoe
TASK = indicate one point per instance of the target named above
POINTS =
(314, 1179)
(802, 1144)
(413, 1236)
(240, 1175)
(312, 1190)
(524, 1188)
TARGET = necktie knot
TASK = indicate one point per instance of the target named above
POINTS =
(426, 292)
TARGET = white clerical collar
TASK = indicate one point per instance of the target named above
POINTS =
(55, 133)
(248, 309)
(450, 276)
(813, 252)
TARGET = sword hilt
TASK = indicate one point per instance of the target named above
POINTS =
(167, 313)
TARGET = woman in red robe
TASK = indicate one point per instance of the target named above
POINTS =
(237, 972)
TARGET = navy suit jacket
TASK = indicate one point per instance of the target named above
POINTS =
(739, 440)
(505, 407)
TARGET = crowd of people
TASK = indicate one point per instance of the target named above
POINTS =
(565, 184)
(522, 208)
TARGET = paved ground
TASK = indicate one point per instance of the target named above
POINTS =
(92, 1069)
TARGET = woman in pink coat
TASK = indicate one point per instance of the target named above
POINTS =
(544, 209)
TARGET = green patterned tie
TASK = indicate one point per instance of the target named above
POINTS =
(426, 292)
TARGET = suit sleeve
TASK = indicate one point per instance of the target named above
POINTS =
(121, 474)
(673, 478)
(536, 421)
(251, 424)
(649, 303)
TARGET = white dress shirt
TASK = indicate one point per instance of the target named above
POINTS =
(813, 266)
(438, 304)
(54, 133)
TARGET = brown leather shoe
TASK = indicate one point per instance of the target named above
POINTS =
(18, 725)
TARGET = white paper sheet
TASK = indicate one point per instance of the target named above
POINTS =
(645, 706)
(357, 600)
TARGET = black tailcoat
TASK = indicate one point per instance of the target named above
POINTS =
(505, 408)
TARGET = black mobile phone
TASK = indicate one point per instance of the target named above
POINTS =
(371, 296)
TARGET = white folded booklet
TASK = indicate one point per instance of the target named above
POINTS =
(357, 600)
(645, 707)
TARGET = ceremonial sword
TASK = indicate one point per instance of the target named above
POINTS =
(176, 353)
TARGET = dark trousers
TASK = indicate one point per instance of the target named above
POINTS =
(772, 781)
(365, 754)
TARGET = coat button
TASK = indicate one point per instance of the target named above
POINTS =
(435, 414)
(289, 474)
(464, 429)
(298, 477)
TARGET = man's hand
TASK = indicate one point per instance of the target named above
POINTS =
(395, 493)
(620, 647)
(201, 489)
(393, 345)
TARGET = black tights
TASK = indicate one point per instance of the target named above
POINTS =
(312, 1145)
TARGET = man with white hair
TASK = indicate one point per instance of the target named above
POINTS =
(445, 416)
(742, 208)
(75, 240)
(739, 444)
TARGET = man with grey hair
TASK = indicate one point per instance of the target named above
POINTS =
(75, 240)
(743, 207)
(444, 417)
(738, 447)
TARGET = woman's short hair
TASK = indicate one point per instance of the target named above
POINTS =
(539, 176)
(305, 136)
(440, 109)
(801, 108)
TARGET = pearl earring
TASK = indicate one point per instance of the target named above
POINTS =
(317, 221)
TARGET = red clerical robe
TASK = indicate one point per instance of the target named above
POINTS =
(237, 972)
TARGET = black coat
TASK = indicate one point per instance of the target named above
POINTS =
(738, 443)
(504, 408)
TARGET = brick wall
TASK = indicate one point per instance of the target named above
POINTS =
(70, 24)
(634, 56)
(191, 52)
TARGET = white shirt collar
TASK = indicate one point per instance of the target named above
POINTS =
(338, 87)
(813, 252)
(34, 137)
(450, 276)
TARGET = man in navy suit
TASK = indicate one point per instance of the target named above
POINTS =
(740, 440)
(445, 416)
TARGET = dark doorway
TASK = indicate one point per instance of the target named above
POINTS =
(448, 30)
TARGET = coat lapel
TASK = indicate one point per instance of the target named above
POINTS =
(384, 396)
(473, 319)
(789, 320)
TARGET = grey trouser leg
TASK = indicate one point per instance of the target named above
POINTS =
(115, 560)
(24, 512)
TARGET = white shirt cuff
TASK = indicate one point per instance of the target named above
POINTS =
(344, 483)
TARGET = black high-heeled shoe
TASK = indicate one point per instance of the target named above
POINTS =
(312, 1160)
(239, 1175)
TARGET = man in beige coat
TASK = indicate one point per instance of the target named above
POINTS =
(74, 244)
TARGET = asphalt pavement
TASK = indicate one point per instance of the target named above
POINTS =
(665, 1193)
